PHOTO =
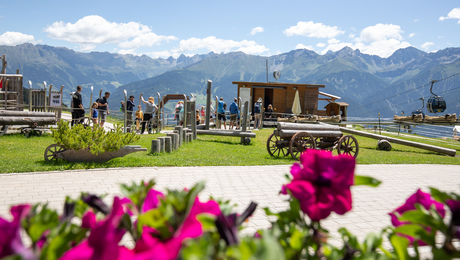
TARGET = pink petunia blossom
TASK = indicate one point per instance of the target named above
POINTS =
(152, 200)
(88, 220)
(419, 197)
(321, 183)
(149, 247)
(10, 238)
(103, 240)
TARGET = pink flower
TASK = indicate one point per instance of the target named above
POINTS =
(454, 207)
(149, 247)
(10, 238)
(152, 200)
(103, 240)
(421, 198)
(322, 183)
(88, 220)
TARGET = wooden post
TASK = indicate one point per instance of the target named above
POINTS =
(245, 120)
(168, 144)
(184, 135)
(159, 126)
(173, 141)
(155, 146)
(3, 64)
(162, 144)
(193, 118)
(180, 132)
(126, 111)
(208, 104)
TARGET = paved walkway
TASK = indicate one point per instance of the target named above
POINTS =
(241, 184)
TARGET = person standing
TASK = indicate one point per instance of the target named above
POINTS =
(178, 108)
(258, 113)
(150, 110)
(103, 106)
(233, 113)
(94, 113)
(203, 115)
(269, 112)
(220, 112)
(129, 111)
(139, 117)
(77, 105)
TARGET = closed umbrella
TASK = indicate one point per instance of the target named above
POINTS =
(296, 109)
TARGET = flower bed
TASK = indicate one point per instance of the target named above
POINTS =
(177, 225)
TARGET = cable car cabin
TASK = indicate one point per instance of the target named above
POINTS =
(436, 105)
(281, 97)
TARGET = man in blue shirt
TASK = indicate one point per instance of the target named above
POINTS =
(220, 113)
(233, 113)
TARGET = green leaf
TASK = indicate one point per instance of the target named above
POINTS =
(366, 180)
(153, 218)
(439, 195)
(417, 232)
(372, 242)
(400, 245)
(207, 221)
(40, 222)
(296, 240)
(421, 217)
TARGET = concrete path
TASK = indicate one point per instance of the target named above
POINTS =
(241, 184)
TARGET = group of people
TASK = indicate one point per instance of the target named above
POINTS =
(141, 118)
(100, 108)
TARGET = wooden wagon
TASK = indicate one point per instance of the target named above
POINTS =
(294, 138)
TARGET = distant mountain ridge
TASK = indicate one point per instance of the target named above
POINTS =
(362, 80)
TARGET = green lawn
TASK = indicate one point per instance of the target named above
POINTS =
(21, 154)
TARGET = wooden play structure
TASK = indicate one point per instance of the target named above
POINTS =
(43, 109)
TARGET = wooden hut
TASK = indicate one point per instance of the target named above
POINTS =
(280, 95)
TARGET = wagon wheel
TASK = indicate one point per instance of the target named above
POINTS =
(301, 142)
(3, 129)
(87, 122)
(52, 151)
(274, 147)
(348, 145)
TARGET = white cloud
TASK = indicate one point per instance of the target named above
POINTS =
(128, 51)
(160, 54)
(146, 40)
(381, 40)
(211, 43)
(321, 45)
(301, 46)
(415, 20)
(257, 30)
(94, 29)
(411, 35)
(15, 38)
(87, 47)
(427, 45)
(351, 35)
(380, 32)
(454, 14)
(311, 29)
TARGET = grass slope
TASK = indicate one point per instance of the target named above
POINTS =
(21, 154)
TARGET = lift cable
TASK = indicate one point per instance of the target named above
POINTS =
(428, 84)
(407, 102)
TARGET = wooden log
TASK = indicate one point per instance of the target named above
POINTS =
(168, 144)
(314, 133)
(190, 137)
(162, 143)
(180, 132)
(184, 136)
(384, 145)
(244, 126)
(296, 126)
(9, 120)
(155, 146)
(226, 133)
(4, 113)
(450, 152)
(177, 143)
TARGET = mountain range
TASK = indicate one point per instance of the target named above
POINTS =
(369, 83)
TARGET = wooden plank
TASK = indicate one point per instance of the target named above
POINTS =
(26, 114)
(450, 152)
(27, 120)
(306, 127)
(314, 133)
(226, 133)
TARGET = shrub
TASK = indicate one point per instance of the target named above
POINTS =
(97, 140)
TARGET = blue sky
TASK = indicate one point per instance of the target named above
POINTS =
(172, 28)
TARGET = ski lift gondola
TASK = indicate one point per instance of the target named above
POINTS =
(435, 104)
(419, 111)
